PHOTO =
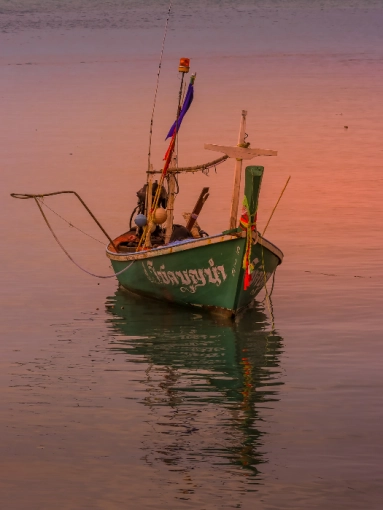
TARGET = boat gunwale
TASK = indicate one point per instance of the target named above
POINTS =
(270, 246)
(190, 244)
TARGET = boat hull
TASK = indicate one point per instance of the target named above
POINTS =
(205, 273)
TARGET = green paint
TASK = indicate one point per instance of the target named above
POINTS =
(253, 181)
(207, 275)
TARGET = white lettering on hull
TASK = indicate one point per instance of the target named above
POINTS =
(187, 280)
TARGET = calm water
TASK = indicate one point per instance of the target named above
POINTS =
(109, 401)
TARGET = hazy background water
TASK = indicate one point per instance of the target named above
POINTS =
(109, 401)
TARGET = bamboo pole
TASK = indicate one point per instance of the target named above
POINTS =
(149, 193)
(170, 208)
(149, 200)
(237, 175)
(276, 205)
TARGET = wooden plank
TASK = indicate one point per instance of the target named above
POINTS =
(197, 208)
(240, 152)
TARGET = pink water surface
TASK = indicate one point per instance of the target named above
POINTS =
(83, 424)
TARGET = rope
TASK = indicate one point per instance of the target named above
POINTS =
(157, 84)
(267, 296)
(26, 196)
(68, 255)
(69, 223)
(272, 212)
(341, 275)
(196, 168)
(272, 288)
(272, 284)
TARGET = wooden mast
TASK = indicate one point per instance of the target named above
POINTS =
(240, 152)
(237, 174)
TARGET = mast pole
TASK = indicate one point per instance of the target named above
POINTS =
(237, 175)
(172, 178)
(170, 207)
(168, 157)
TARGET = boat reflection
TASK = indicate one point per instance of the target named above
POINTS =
(206, 380)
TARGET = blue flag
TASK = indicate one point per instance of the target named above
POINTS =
(185, 107)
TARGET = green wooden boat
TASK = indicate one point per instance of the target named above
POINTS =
(207, 272)
(223, 272)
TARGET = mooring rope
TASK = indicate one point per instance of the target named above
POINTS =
(68, 255)
(339, 275)
(26, 196)
(39, 200)
(70, 223)
(267, 295)
(272, 285)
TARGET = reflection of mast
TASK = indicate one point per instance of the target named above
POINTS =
(204, 382)
(257, 379)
